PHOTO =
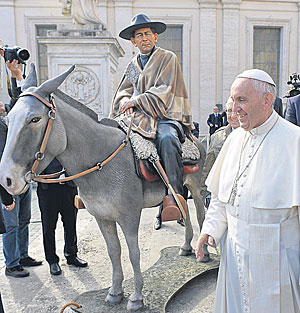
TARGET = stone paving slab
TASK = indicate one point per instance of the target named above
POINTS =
(43, 293)
(161, 282)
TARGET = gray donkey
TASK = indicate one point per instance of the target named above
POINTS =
(113, 195)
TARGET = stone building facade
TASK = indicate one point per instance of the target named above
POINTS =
(214, 40)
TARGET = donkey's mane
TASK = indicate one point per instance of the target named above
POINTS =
(76, 104)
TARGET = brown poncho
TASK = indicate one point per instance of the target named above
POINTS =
(162, 94)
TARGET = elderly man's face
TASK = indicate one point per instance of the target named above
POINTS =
(231, 116)
(251, 108)
(144, 40)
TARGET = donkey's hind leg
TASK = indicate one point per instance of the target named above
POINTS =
(130, 230)
(109, 231)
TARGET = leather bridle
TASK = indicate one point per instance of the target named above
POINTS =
(32, 176)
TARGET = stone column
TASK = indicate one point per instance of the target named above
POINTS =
(207, 51)
(230, 44)
(95, 52)
(123, 10)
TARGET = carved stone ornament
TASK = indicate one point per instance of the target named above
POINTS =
(83, 85)
(132, 73)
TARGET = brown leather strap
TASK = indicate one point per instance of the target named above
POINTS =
(52, 175)
(48, 104)
(43, 146)
(40, 154)
(40, 178)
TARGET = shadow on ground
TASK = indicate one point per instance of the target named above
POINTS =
(162, 281)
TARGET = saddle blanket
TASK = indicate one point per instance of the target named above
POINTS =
(145, 149)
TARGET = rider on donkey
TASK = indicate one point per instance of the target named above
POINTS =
(153, 88)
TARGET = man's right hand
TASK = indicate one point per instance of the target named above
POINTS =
(127, 108)
(15, 69)
(204, 239)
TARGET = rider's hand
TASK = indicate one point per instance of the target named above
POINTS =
(15, 69)
(2, 107)
(127, 108)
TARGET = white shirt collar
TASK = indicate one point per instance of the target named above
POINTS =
(266, 126)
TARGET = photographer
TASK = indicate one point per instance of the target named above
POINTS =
(17, 215)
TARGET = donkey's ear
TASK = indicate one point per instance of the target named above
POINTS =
(51, 85)
(31, 79)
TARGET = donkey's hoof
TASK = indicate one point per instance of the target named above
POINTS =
(184, 252)
(114, 299)
(135, 305)
(205, 259)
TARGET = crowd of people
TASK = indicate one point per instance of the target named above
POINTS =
(253, 206)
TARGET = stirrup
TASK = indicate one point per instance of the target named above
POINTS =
(170, 211)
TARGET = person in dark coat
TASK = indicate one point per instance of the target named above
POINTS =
(55, 199)
(214, 120)
(277, 106)
(292, 113)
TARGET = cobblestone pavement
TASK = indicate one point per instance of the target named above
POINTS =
(43, 293)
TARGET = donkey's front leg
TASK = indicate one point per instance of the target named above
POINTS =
(130, 230)
(109, 231)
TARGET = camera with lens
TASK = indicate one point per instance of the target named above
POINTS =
(295, 82)
(16, 53)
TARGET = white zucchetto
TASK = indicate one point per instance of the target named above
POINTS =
(258, 75)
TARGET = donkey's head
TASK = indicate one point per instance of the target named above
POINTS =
(27, 122)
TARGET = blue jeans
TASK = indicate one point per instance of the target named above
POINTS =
(15, 240)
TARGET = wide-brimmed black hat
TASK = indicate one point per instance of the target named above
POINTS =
(141, 21)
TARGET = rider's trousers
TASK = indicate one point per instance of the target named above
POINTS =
(168, 137)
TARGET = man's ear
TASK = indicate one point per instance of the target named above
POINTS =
(268, 100)
(156, 37)
(133, 41)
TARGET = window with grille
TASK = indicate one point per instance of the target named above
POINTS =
(41, 32)
(171, 40)
(266, 50)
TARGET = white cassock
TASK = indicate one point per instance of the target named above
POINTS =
(259, 270)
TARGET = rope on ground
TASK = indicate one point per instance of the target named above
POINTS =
(68, 304)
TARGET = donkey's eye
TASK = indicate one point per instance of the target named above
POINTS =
(35, 119)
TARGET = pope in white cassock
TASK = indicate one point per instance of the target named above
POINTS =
(255, 186)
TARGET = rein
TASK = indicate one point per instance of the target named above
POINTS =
(32, 176)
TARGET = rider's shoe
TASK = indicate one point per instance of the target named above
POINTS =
(158, 223)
